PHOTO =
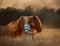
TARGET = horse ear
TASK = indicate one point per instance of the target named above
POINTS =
(37, 23)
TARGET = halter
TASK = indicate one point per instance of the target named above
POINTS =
(27, 27)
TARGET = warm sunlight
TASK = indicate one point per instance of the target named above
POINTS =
(34, 3)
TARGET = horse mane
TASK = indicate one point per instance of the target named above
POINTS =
(35, 22)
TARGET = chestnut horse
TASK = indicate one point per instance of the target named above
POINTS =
(16, 28)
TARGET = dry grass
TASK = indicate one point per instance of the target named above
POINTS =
(48, 37)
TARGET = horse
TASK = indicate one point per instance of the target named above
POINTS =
(16, 28)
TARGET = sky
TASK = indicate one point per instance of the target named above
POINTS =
(55, 4)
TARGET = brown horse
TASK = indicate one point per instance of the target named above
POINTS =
(16, 28)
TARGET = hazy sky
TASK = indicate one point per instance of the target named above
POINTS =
(33, 3)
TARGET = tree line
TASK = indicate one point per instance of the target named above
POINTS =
(48, 17)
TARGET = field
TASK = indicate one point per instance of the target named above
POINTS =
(48, 37)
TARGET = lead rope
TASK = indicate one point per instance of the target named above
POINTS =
(27, 28)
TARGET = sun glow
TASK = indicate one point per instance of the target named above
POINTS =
(25, 1)
(33, 3)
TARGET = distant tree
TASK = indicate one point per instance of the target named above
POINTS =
(28, 11)
(58, 12)
(9, 14)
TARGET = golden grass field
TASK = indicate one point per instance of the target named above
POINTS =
(48, 37)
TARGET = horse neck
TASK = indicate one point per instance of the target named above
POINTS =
(20, 23)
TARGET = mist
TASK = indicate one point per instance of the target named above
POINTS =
(54, 4)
